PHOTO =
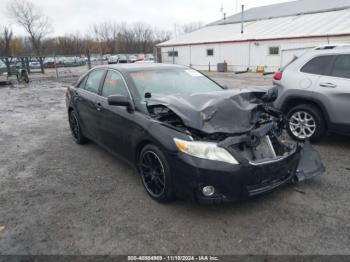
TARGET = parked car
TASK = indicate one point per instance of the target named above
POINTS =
(82, 60)
(72, 61)
(149, 57)
(93, 59)
(60, 61)
(49, 62)
(3, 68)
(122, 59)
(113, 59)
(3, 72)
(186, 136)
(34, 65)
(132, 59)
(140, 57)
(314, 92)
(106, 57)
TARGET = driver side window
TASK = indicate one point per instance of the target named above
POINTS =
(114, 85)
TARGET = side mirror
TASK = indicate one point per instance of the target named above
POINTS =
(119, 101)
(225, 87)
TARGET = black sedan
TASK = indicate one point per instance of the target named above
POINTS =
(185, 134)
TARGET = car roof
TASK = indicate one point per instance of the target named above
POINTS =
(142, 67)
(329, 49)
(333, 47)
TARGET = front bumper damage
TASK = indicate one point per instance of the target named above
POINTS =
(242, 181)
(245, 124)
(310, 164)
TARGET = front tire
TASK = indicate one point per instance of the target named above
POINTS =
(75, 129)
(305, 122)
(155, 174)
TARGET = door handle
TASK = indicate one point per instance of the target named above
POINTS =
(98, 106)
(329, 85)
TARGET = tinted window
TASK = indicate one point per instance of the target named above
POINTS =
(318, 65)
(94, 80)
(342, 66)
(114, 85)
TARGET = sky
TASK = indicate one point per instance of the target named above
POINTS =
(76, 16)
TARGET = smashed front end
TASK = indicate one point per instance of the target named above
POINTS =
(236, 144)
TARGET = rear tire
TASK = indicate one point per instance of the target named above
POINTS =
(155, 173)
(306, 122)
(75, 129)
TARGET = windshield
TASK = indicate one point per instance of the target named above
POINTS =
(170, 82)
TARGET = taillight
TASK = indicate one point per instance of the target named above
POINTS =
(277, 75)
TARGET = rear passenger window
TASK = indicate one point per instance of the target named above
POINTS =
(318, 65)
(341, 66)
(114, 85)
(94, 80)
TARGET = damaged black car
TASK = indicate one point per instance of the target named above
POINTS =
(187, 136)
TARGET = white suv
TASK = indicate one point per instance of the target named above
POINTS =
(314, 92)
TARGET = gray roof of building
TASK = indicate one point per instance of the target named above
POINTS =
(286, 9)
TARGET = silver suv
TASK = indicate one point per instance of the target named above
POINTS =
(314, 92)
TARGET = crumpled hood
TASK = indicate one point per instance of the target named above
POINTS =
(229, 111)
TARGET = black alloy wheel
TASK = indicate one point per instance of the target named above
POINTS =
(155, 174)
(78, 137)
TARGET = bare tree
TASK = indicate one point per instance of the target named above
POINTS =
(106, 33)
(7, 33)
(5, 45)
(161, 35)
(31, 18)
(2, 44)
(143, 36)
(190, 27)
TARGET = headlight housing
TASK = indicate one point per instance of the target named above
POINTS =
(205, 150)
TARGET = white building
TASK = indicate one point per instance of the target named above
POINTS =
(272, 36)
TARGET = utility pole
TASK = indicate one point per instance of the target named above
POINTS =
(242, 20)
(222, 10)
(173, 55)
(55, 62)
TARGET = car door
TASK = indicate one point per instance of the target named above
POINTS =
(117, 123)
(86, 103)
(334, 90)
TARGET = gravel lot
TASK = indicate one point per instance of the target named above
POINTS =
(60, 198)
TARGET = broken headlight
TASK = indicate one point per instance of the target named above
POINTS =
(205, 150)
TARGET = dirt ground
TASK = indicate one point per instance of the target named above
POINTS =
(57, 197)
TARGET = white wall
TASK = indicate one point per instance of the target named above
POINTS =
(240, 56)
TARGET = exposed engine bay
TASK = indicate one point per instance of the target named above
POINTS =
(257, 127)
